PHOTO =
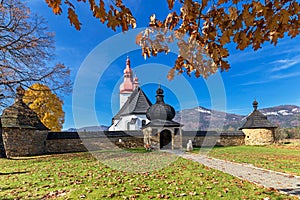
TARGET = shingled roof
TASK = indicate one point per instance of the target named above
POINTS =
(19, 115)
(137, 103)
(257, 120)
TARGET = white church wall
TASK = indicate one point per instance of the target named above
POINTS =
(124, 123)
(123, 98)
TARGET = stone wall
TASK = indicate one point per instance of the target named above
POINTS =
(20, 142)
(63, 142)
(259, 136)
(65, 146)
(213, 138)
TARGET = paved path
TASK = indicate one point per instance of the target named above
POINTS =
(280, 181)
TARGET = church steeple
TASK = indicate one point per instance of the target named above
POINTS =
(129, 84)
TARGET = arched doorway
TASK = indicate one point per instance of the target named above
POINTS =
(165, 139)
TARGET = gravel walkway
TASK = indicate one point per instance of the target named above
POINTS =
(280, 181)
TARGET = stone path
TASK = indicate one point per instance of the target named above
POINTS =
(280, 181)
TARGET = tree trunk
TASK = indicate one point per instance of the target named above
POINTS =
(2, 149)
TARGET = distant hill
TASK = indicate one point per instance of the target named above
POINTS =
(201, 118)
(286, 116)
(89, 129)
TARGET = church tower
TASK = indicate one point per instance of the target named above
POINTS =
(129, 84)
(133, 104)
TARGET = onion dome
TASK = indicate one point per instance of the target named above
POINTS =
(160, 110)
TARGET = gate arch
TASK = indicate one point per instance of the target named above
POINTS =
(165, 139)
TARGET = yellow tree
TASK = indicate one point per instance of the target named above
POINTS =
(46, 104)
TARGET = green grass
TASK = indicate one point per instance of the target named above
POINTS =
(278, 158)
(80, 175)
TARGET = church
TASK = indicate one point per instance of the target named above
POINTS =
(133, 104)
(137, 113)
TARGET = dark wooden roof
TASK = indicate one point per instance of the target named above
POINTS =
(160, 110)
(257, 120)
(161, 114)
(162, 123)
(137, 103)
(19, 115)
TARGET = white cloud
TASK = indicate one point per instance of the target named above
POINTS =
(281, 76)
(256, 82)
(283, 64)
(273, 78)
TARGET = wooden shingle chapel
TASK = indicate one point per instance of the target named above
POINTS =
(137, 113)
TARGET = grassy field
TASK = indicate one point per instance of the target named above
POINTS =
(81, 176)
(285, 158)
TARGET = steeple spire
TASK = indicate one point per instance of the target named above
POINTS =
(128, 85)
(159, 95)
(128, 62)
(255, 104)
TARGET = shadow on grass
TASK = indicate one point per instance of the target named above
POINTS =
(291, 191)
(74, 153)
(12, 173)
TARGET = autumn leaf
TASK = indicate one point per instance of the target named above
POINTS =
(138, 38)
(55, 5)
(170, 4)
(171, 74)
(233, 13)
(74, 19)
(209, 25)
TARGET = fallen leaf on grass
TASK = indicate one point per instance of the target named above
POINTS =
(225, 190)
(55, 194)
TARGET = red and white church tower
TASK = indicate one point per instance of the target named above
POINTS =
(129, 84)
(133, 104)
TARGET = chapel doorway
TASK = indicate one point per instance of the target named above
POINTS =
(165, 139)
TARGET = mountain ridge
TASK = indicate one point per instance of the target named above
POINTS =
(201, 118)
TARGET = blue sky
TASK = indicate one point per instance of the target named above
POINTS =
(96, 56)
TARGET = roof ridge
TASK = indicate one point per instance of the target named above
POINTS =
(137, 95)
(137, 102)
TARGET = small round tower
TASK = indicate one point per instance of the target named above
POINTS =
(258, 129)
(23, 133)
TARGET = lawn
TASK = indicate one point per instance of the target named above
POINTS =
(81, 175)
(285, 158)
